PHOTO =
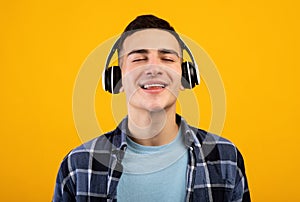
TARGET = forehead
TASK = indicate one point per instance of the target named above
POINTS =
(150, 39)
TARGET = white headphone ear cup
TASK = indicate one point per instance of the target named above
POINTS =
(189, 77)
(112, 76)
(185, 78)
(106, 79)
(113, 79)
(117, 78)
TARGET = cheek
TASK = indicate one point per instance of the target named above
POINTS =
(125, 73)
(179, 70)
(175, 72)
(128, 69)
(129, 79)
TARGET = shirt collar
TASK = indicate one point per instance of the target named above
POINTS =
(189, 133)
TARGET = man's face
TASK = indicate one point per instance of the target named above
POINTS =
(151, 69)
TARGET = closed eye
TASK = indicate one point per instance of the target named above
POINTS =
(168, 59)
(138, 59)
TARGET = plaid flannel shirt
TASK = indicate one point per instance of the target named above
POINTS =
(215, 170)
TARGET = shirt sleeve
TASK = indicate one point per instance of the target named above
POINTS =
(241, 189)
(65, 187)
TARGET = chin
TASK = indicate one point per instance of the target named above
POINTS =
(152, 107)
(157, 107)
(152, 103)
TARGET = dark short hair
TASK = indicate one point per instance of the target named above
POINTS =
(146, 22)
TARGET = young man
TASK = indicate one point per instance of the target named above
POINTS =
(153, 155)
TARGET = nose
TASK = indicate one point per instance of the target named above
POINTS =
(154, 66)
(153, 70)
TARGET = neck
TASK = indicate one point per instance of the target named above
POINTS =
(152, 128)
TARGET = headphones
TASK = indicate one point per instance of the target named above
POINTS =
(112, 76)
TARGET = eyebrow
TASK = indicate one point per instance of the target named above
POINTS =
(160, 51)
(139, 51)
(168, 51)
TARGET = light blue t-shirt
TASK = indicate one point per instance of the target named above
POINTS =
(154, 173)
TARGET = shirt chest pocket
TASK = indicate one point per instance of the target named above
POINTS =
(214, 181)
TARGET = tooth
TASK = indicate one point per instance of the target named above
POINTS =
(153, 85)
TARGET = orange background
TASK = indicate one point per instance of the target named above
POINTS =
(254, 44)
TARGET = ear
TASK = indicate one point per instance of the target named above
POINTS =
(121, 89)
(182, 88)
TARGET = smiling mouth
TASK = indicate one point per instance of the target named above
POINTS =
(153, 86)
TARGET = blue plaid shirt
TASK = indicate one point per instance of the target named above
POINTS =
(215, 170)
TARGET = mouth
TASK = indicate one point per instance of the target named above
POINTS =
(153, 86)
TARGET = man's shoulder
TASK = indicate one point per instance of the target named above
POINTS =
(206, 137)
(102, 142)
(214, 146)
(101, 145)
